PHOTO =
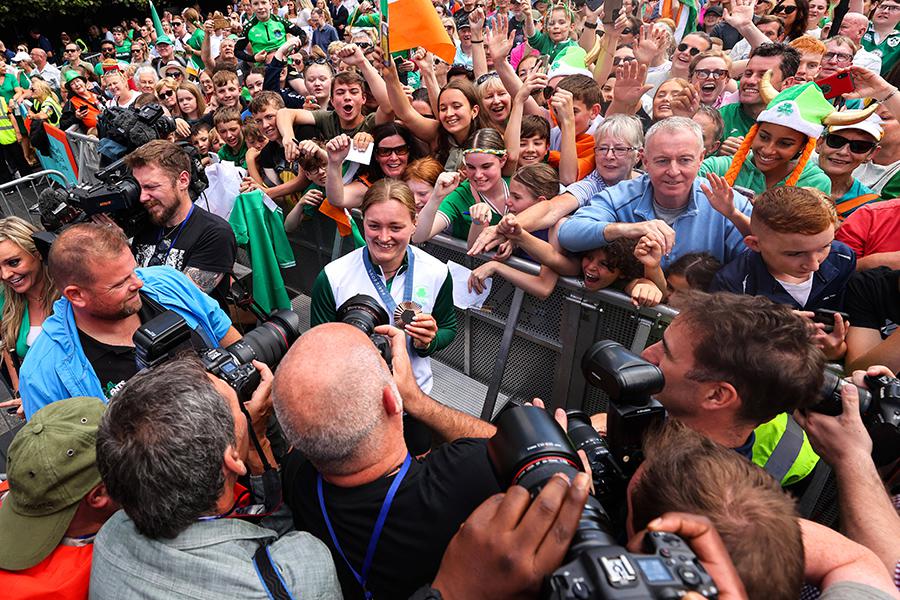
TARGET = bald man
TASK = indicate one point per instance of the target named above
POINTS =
(854, 26)
(47, 72)
(342, 410)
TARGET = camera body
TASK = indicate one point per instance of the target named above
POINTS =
(667, 569)
(133, 127)
(365, 313)
(528, 449)
(168, 334)
(879, 407)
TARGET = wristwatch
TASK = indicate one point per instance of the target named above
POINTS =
(426, 592)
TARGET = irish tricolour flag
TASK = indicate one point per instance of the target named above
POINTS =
(414, 24)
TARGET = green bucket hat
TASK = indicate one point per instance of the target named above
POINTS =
(71, 75)
(51, 465)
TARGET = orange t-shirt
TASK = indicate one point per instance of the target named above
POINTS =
(584, 149)
(64, 575)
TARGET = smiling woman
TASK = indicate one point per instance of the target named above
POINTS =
(397, 275)
(28, 294)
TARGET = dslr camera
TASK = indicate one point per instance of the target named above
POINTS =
(879, 407)
(168, 334)
(365, 313)
(529, 447)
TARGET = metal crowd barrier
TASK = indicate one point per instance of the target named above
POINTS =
(517, 345)
(20, 196)
(87, 155)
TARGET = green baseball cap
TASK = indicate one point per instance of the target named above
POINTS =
(51, 465)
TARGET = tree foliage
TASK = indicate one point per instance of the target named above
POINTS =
(40, 12)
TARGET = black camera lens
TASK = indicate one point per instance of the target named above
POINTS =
(363, 312)
(529, 447)
(830, 402)
(269, 342)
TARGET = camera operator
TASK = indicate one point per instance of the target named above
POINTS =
(175, 427)
(183, 235)
(733, 366)
(773, 551)
(86, 347)
(343, 412)
(867, 515)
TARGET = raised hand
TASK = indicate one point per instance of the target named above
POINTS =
(650, 44)
(509, 227)
(481, 213)
(476, 20)
(499, 39)
(686, 103)
(446, 183)
(646, 293)
(338, 148)
(741, 13)
(630, 83)
(352, 55)
(867, 84)
(535, 81)
(719, 194)
(648, 251)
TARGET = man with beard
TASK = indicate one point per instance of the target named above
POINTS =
(86, 346)
(180, 234)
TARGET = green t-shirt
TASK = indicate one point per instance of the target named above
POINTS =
(98, 68)
(737, 122)
(123, 52)
(455, 207)
(266, 35)
(239, 158)
(196, 42)
(888, 49)
(328, 125)
(752, 178)
(541, 42)
(8, 86)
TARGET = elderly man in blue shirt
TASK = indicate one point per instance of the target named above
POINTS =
(667, 203)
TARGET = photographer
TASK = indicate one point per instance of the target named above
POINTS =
(867, 515)
(773, 551)
(86, 347)
(182, 235)
(343, 413)
(733, 366)
(170, 450)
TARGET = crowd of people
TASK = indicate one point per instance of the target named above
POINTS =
(735, 160)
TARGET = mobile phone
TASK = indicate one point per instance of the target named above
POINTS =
(544, 64)
(611, 9)
(836, 86)
(595, 4)
(826, 317)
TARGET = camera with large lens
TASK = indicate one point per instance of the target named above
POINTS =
(117, 194)
(365, 313)
(879, 407)
(168, 334)
(124, 129)
(528, 449)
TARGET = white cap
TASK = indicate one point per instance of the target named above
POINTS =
(20, 56)
(872, 126)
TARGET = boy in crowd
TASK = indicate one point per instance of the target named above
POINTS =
(576, 103)
(276, 178)
(228, 90)
(793, 257)
(228, 125)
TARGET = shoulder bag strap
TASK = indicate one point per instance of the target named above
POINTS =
(269, 575)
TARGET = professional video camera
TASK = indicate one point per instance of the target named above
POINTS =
(168, 334)
(364, 313)
(133, 127)
(879, 406)
(118, 195)
(529, 448)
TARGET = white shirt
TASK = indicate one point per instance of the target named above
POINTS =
(798, 291)
(33, 332)
(867, 60)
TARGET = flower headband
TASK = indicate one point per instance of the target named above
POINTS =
(484, 151)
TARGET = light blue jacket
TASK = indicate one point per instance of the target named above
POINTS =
(56, 367)
(700, 228)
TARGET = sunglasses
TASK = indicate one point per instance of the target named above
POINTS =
(832, 140)
(623, 59)
(177, 23)
(485, 77)
(714, 74)
(383, 152)
(175, 75)
(788, 10)
(888, 7)
(108, 50)
(318, 61)
(71, 50)
(166, 94)
(628, 31)
(365, 45)
(684, 47)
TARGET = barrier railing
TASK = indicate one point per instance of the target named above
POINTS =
(20, 196)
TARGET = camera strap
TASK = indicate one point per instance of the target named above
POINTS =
(363, 576)
(269, 576)
(161, 237)
(389, 303)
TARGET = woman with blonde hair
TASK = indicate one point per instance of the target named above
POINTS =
(46, 105)
(27, 299)
(166, 91)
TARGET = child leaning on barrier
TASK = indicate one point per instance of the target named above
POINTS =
(632, 267)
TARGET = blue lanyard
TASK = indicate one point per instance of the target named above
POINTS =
(177, 233)
(382, 290)
(376, 532)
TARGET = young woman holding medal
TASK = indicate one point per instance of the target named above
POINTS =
(413, 287)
